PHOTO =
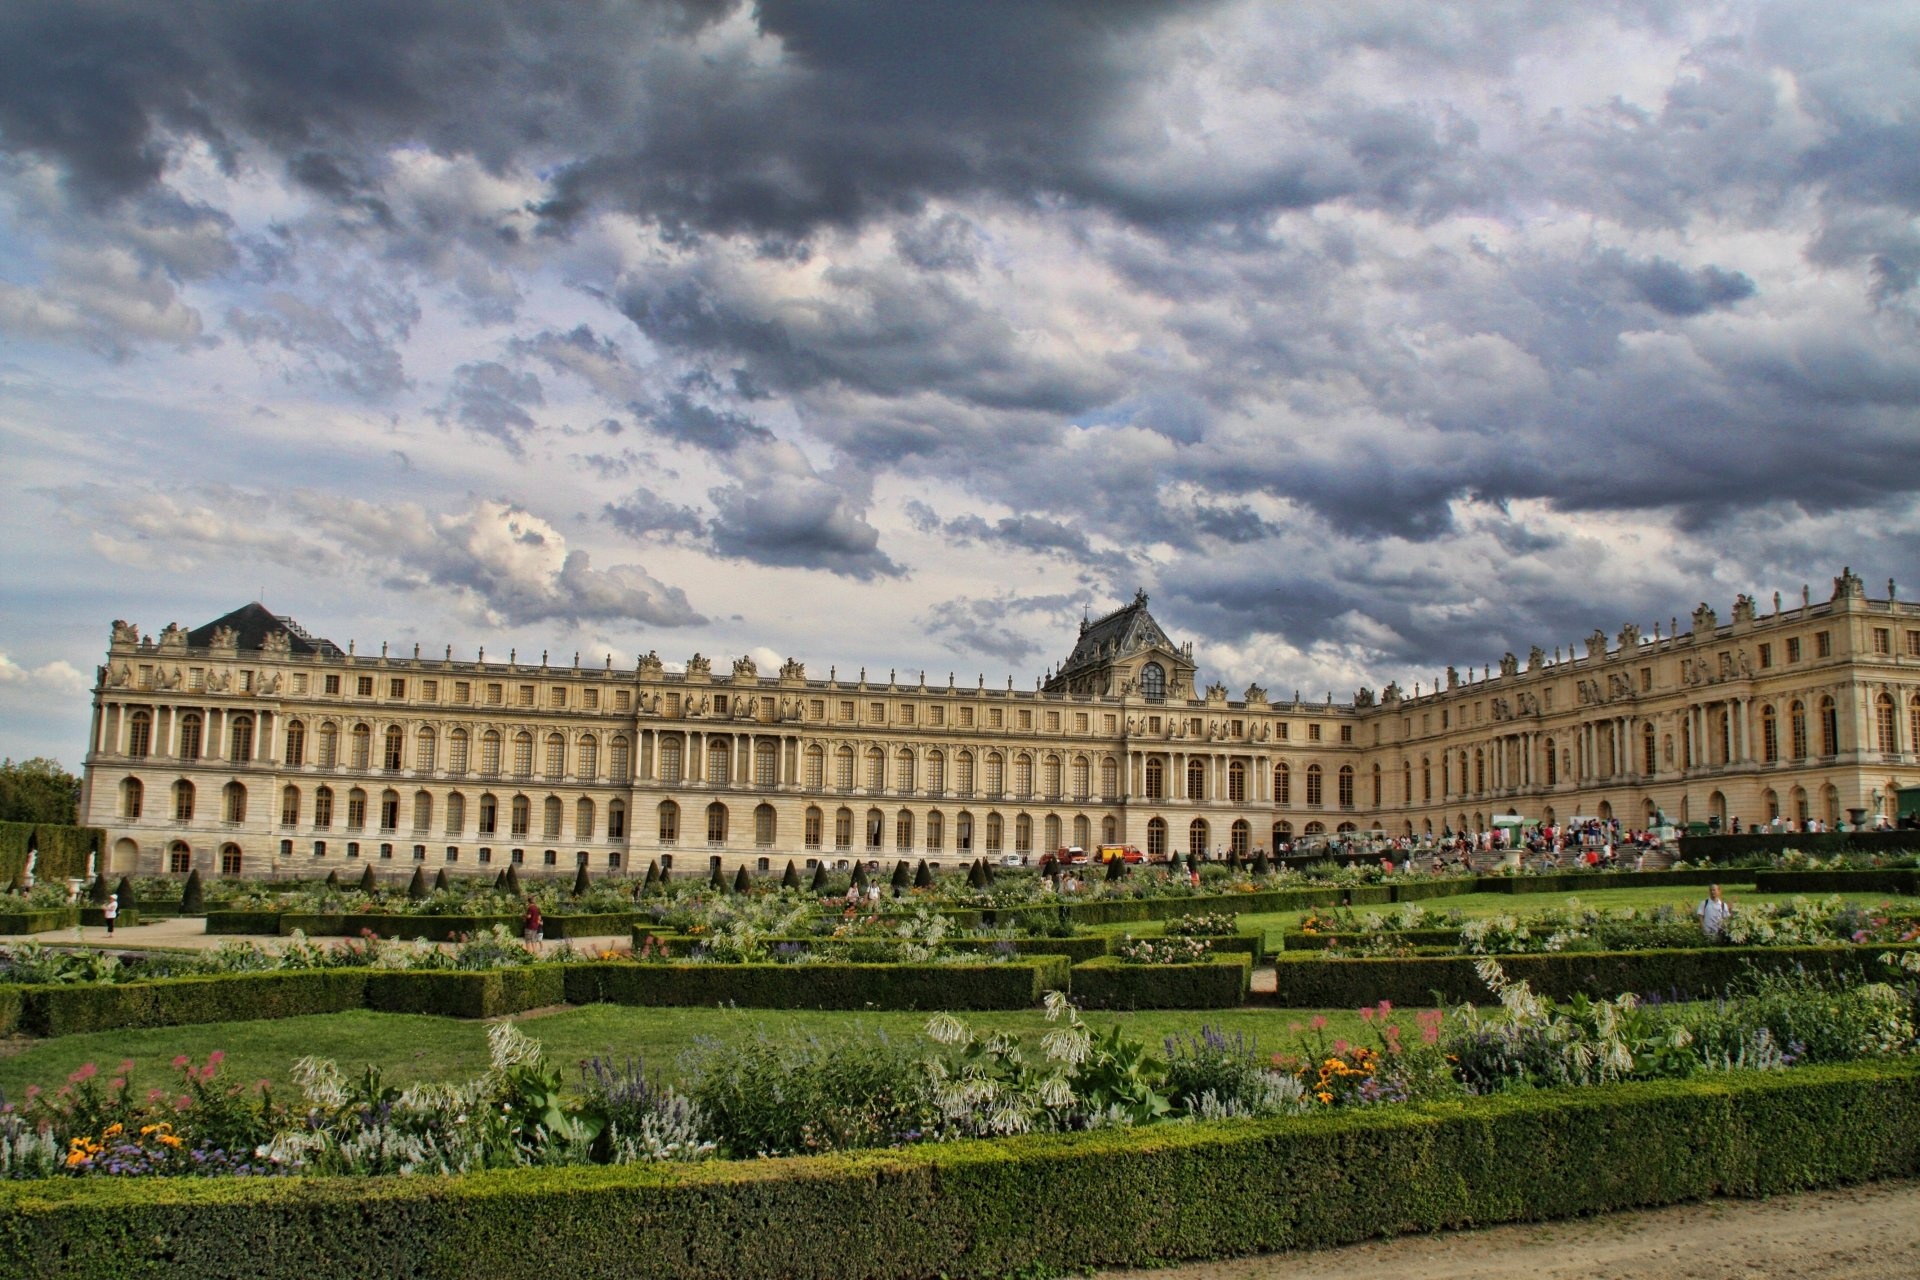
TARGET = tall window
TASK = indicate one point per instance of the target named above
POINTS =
(1157, 838)
(456, 814)
(669, 822)
(489, 814)
(616, 820)
(618, 757)
(589, 753)
(766, 764)
(1829, 727)
(996, 774)
(1023, 775)
(936, 773)
(670, 761)
(876, 770)
(183, 801)
(1052, 777)
(550, 817)
(235, 798)
(296, 744)
(1797, 729)
(936, 831)
(362, 746)
(457, 752)
(1884, 725)
(523, 754)
(132, 796)
(963, 773)
(1649, 753)
(1769, 735)
(422, 812)
(1109, 779)
(140, 734)
(1426, 773)
(812, 826)
(996, 829)
(1156, 780)
(424, 745)
(556, 756)
(240, 739)
(1023, 834)
(522, 815)
(1153, 681)
(329, 745)
(1196, 780)
(1082, 779)
(289, 806)
(1346, 786)
(719, 761)
(1313, 786)
(843, 828)
(763, 826)
(1237, 782)
(190, 736)
(843, 769)
(323, 807)
(816, 768)
(1376, 786)
(963, 832)
(583, 819)
(389, 810)
(1282, 784)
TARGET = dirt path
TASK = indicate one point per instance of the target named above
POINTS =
(1860, 1233)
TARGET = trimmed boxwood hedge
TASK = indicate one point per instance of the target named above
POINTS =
(1219, 982)
(63, 850)
(251, 922)
(390, 924)
(1167, 1192)
(96, 917)
(1824, 844)
(1311, 981)
(1876, 880)
(1411, 937)
(456, 994)
(1013, 984)
(39, 921)
(68, 1009)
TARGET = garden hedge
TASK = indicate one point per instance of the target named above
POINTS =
(1014, 984)
(63, 850)
(393, 924)
(248, 922)
(39, 921)
(70, 1008)
(883, 948)
(1824, 844)
(1877, 880)
(1166, 1193)
(96, 917)
(1311, 981)
(453, 993)
(1219, 982)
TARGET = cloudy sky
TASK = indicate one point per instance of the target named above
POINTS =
(1367, 337)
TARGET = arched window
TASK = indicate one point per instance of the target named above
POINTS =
(1082, 779)
(1376, 786)
(140, 734)
(1479, 770)
(133, 796)
(589, 755)
(1050, 777)
(556, 757)
(1829, 727)
(522, 816)
(389, 809)
(619, 758)
(1157, 839)
(1406, 786)
(876, 828)
(323, 807)
(1240, 838)
(813, 820)
(235, 802)
(523, 754)
(1153, 682)
(1346, 786)
(1649, 751)
(290, 806)
(230, 859)
(457, 752)
(1051, 840)
(963, 832)
(362, 747)
(183, 801)
(616, 820)
(1426, 773)
(996, 770)
(1197, 838)
(190, 745)
(936, 830)
(1797, 729)
(1282, 784)
(583, 819)
(489, 814)
(936, 773)
(425, 751)
(876, 771)
(963, 773)
(1237, 782)
(1196, 780)
(903, 830)
(1023, 775)
(1313, 786)
(1109, 830)
(1913, 725)
(1156, 779)
(1885, 728)
(1109, 779)
(843, 769)
(996, 833)
(1082, 830)
(390, 746)
(669, 822)
(1022, 833)
(816, 768)
(1769, 735)
(843, 828)
(456, 814)
(1282, 835)
(550, 815)
(490, 753)
(764, 826)
(422, 812)
(296, 744)
(903, 771)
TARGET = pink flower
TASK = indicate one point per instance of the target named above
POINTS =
(1340, 1048)
(180, 1061)
(219, 1056)
(126, 1066)
(1386, 1006)
(85, 1072)
(1319, 1022)
(33, 1091)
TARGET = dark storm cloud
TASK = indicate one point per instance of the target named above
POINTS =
(645, 514)
(1673, 290)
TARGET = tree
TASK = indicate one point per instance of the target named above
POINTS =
(38, 790)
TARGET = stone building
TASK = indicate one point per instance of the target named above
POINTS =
(249, 747)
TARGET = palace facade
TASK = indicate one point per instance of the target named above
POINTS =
(249, 747)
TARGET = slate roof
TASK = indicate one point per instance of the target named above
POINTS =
(1128, 629)
(255, 622)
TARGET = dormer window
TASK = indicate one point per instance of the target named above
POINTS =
(1153, 681)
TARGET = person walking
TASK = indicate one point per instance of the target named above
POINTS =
(111, 911)
(1714, 912)
(532, 927)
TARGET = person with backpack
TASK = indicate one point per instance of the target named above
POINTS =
(1714, 912)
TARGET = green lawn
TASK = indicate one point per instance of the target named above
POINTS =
(411, 1047)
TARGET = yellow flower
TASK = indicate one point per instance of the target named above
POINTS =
(1324, 1096)
(113, 1130)
(167, 1139)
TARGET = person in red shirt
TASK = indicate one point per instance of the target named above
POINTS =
(531, 924)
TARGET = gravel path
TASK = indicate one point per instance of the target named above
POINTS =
(1869, 1232)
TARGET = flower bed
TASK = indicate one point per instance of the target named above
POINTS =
(1166, 1193)
(1013, 984)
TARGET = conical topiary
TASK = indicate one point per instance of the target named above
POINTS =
(922, 876)
(1233, 859)
(512, 882)
(367, 882)
(860, 873)
(333, 879)
(714, 877)
(986, 869)
(819, 884)
(902, 877)
(193, 899)
(653, 876)
(977, 875)
(1261, 866)
(742, 882)
(124, 891)
(500, 881)
(97, 891)
(417, 884)
(580, 881)
(791, 879)
(440, 882)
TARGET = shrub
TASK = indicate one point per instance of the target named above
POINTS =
(457, 994)
(1218, 982)
(777, 1098)
(59, 1010)
(1016, 984)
